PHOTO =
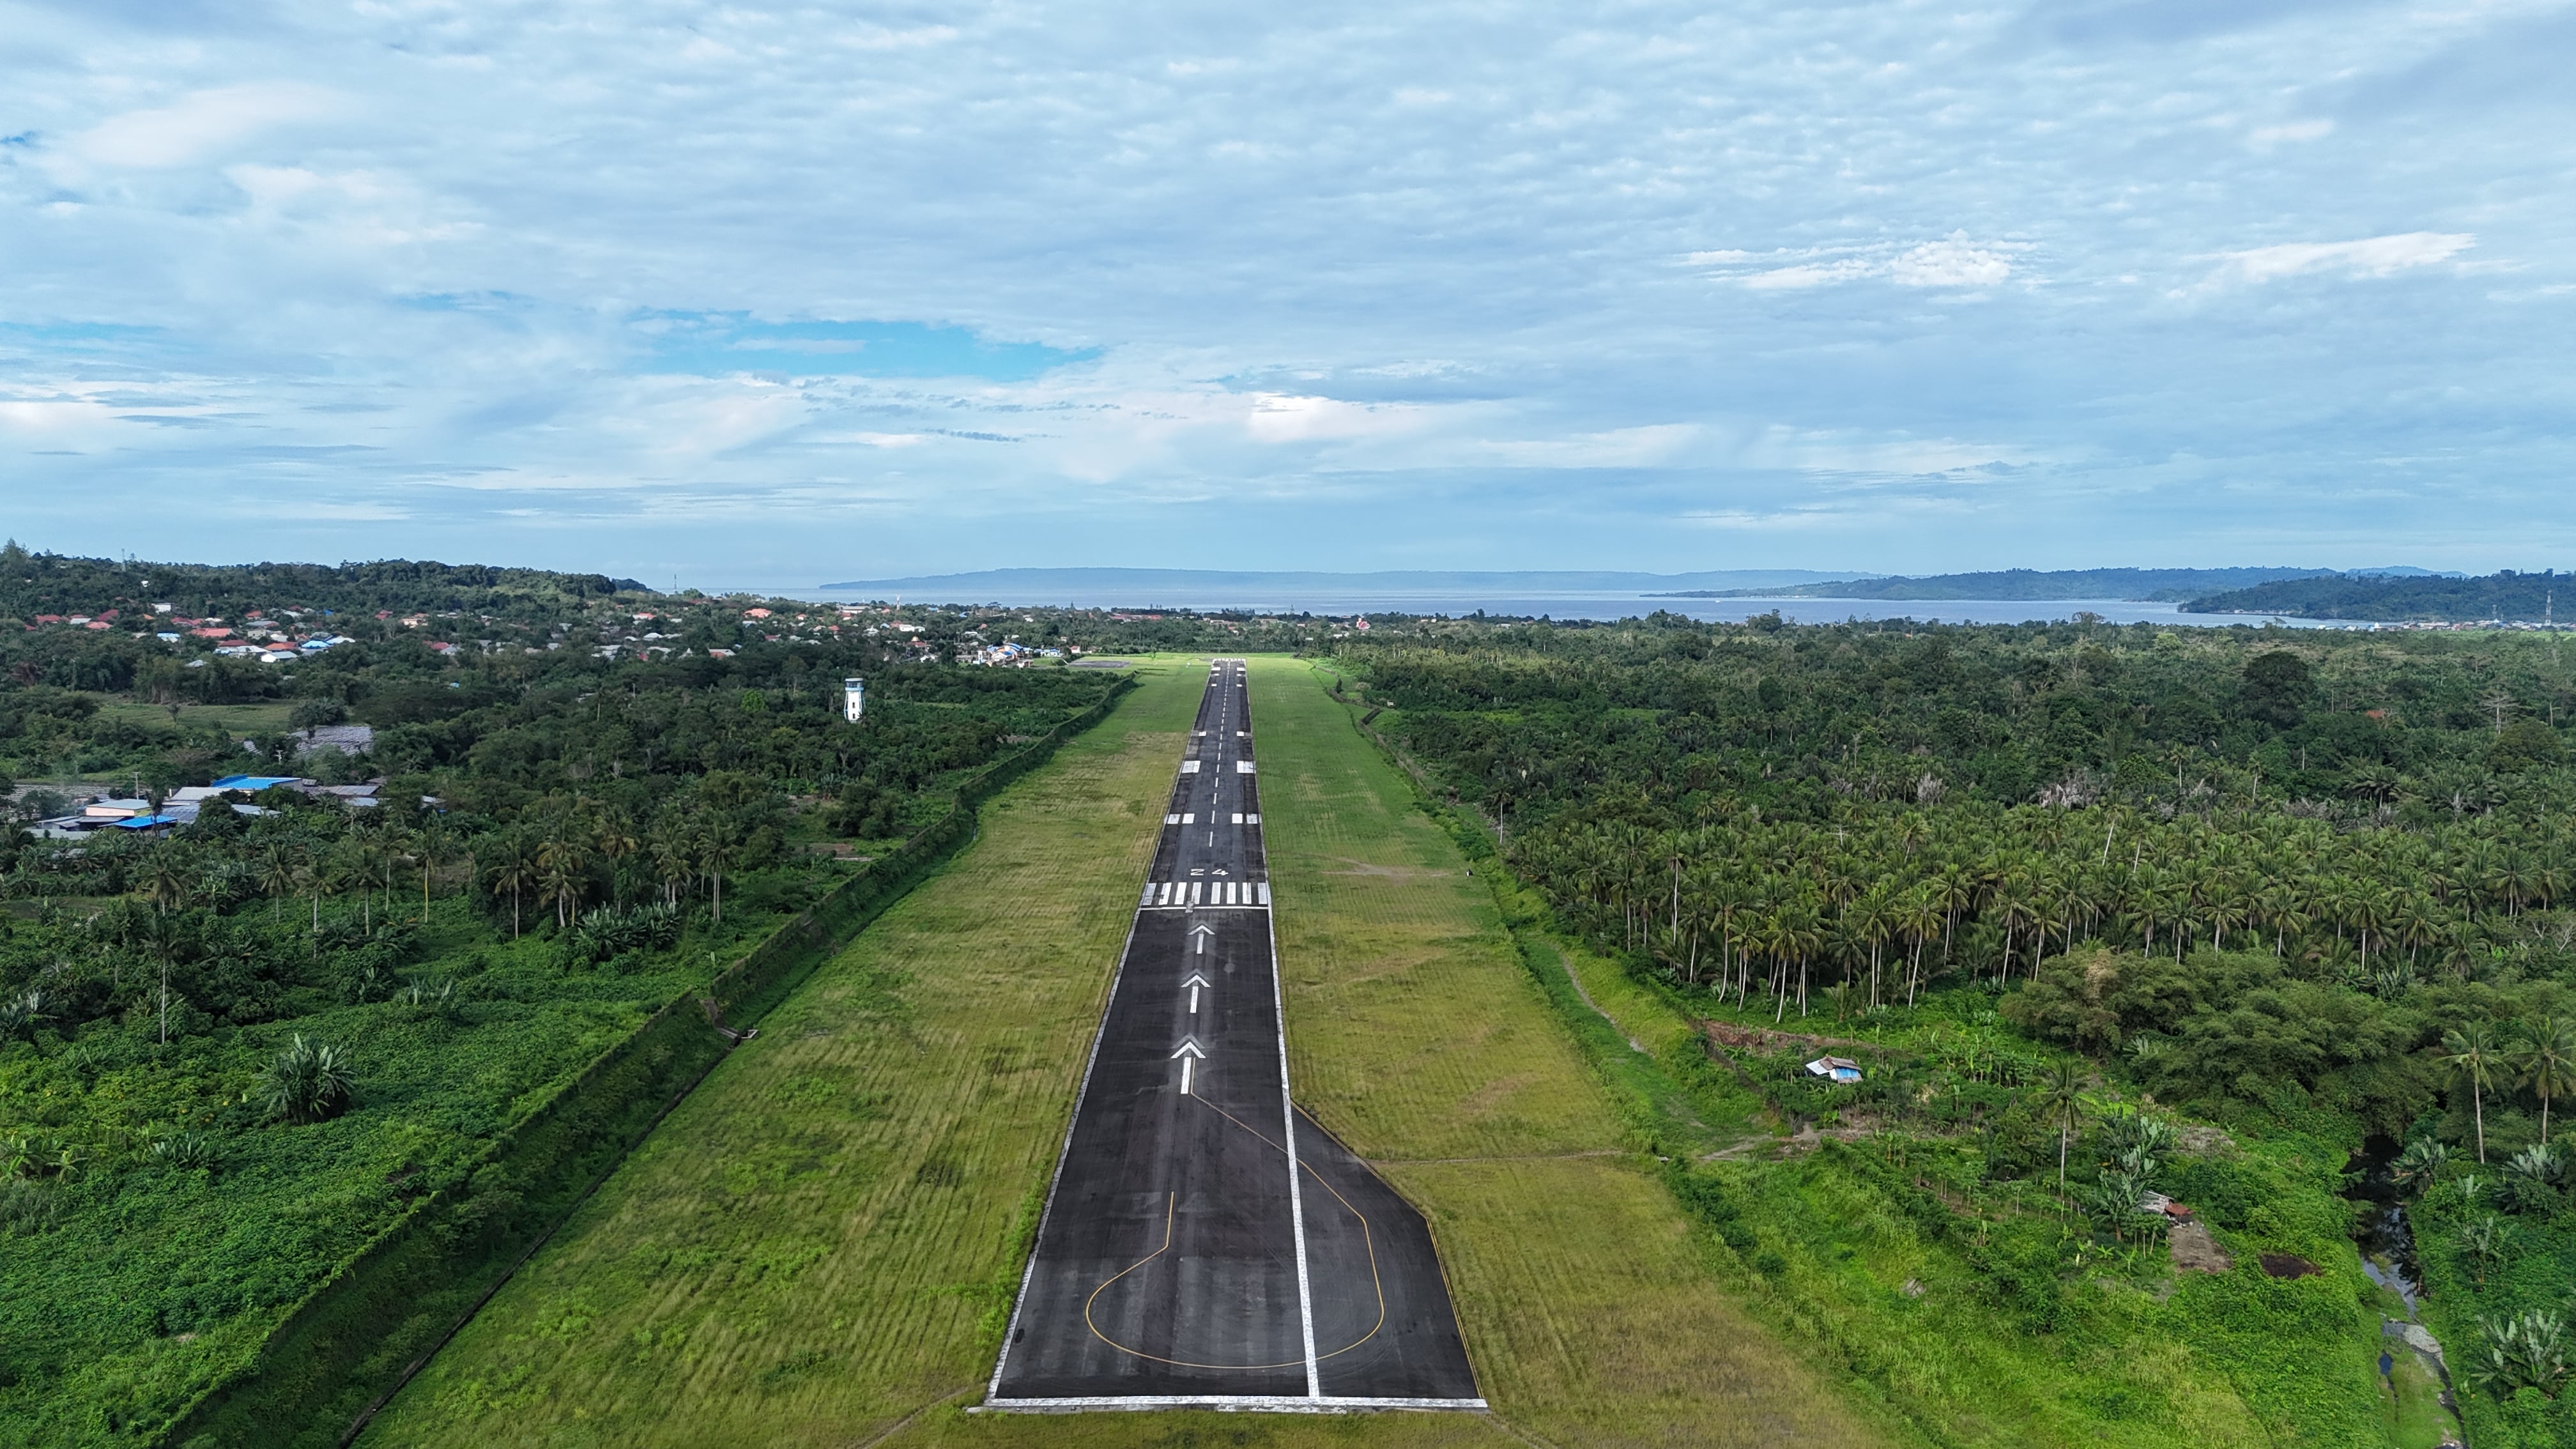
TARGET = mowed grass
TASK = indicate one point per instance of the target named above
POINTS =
(815, 1245)
(1417, 1036)
(233, 719)
(815, 1248)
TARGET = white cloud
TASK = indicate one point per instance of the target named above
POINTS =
(355, 206)
(1640, 447)
(1540, 281)
(1283, 418)
(1811, 274)
(56, 420)
(201, 124)
(1950, 263)
(2263, 138)
(1953, 261)
(2378, 256)
(1849, 454)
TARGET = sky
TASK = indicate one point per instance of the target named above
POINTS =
(786, 295)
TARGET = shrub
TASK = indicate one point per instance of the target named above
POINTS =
(313, 712)
(309, 1082)
(2486, 1243)
(28, 1207)
(22, 1013)
(2523, 1351)
(185, 1149)
(609, 931)
(1706, 1199)
(2531, 1179)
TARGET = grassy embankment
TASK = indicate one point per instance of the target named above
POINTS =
(159, 1279)
(1975, 1332)
(818, 1247)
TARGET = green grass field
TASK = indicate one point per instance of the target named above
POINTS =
(238, 720)
(812, 1248)
(1417, 1036)
(818, 1247)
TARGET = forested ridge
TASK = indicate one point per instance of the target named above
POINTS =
(2063, 881)
(2508, 596)
(40, 583)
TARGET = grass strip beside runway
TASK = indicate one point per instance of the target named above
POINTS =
(1416, 1034)
(821, 1240)
(813, 1251)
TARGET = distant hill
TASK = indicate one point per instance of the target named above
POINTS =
(2507, 596)
(40, 583)
(1215, 588)
(2160, 585)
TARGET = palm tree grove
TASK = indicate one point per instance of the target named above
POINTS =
(2267, 925)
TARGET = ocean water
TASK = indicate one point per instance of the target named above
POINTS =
(1607, 606)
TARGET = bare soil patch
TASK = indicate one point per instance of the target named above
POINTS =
(2195, 1251)
(1727, 1033)
(2288, 1265)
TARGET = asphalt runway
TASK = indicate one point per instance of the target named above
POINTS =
(1204, 1242)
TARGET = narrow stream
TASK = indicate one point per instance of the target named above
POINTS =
(2387, 1247)
(2379, 1222)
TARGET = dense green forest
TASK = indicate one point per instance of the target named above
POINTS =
(2222, 915)
(2508, 597)
(36, 583)
(232, 1049)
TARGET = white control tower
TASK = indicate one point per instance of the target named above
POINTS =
(854, 699)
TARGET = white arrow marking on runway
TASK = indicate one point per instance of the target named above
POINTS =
(1202, 932)
(1189, 1053)
(1194, 983)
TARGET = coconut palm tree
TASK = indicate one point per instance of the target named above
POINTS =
(2544, 1053)
(1918, 920)
(163, 881)
(1871, 918)
(2471, 1054)
(2061, 1107)
(167, 941)
(711, 848)
(433, 847)
(280, 874)
(670, 848)
(562, 863)
(513, 869)
(615, 836)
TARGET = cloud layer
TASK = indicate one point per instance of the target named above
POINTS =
(782, 294)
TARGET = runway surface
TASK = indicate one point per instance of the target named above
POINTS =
(1204, 1242)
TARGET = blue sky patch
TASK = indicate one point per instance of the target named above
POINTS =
(718, 343)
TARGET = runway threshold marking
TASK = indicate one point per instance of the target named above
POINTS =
(1191, 895)
(1368, 1237)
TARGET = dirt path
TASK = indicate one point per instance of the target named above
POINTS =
(1572, 975)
